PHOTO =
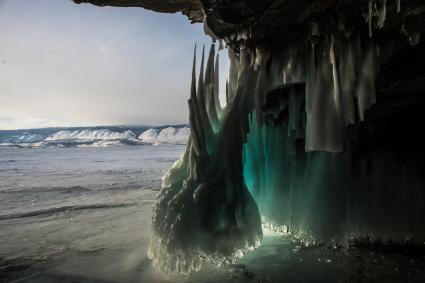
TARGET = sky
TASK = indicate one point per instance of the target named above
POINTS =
(63, 64)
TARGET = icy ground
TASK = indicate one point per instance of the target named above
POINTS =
(83, 215)
(109, 245)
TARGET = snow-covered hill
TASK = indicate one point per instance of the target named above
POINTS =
(149, 136)
(90, 135)
(93, 137)
(168, 135)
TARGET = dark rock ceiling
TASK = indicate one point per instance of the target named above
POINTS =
(271, 20)
(191, 8)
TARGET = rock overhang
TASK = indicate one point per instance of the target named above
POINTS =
(278, 22)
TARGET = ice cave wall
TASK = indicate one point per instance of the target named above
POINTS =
(305, 140)
(299, 161)
(284, 145)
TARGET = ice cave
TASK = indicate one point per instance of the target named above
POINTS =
(320, 138)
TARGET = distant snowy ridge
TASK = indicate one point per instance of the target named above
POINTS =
(168, 135)
(96, 138)
(149, 136)
(91, 135)
(26, 138)
(91, 138)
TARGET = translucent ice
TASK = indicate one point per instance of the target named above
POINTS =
(280, 149)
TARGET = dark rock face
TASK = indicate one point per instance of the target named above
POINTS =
(285, 20)
(191, 8)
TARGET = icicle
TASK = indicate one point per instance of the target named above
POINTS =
(324, 119)
(258, 59)
(203, 115)
(366, 88)
(200, 92)
(194, 115)
(208, 70)
(233, 74)
(199, 103)
(398, 6)
(315, 29)
(369, 15)
(220, 44)
(218, 108)
(252, 57)
(382, 14)
(193, 82)
(194, 132)
(244, 58)
(227, 93)
(415, 38)
(210, 91)
(335, 89)
(348, 78)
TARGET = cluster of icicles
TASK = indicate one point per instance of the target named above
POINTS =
(378, 9)
(237, 164)
(204, 210)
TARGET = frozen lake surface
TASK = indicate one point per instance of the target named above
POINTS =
(71, 205)
(43, 179)
(83, 214)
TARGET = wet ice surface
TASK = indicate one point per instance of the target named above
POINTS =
(83, 215)
(62, 206)
(39, 179)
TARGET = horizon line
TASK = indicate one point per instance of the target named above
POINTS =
(100, 126)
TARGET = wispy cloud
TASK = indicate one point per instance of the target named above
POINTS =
(167, 52)
(103, 49)
(61, 62)
(27, 122)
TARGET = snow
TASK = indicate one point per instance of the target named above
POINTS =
(91, 138)
(91, 135)
(149, 136)
(27, 138)
(168, 135)
(173, 135)
(105, 137)
(95, 137)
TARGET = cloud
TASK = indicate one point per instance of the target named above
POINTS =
(92, 65)
(167, 52)
(27, 122)
(103, 49)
